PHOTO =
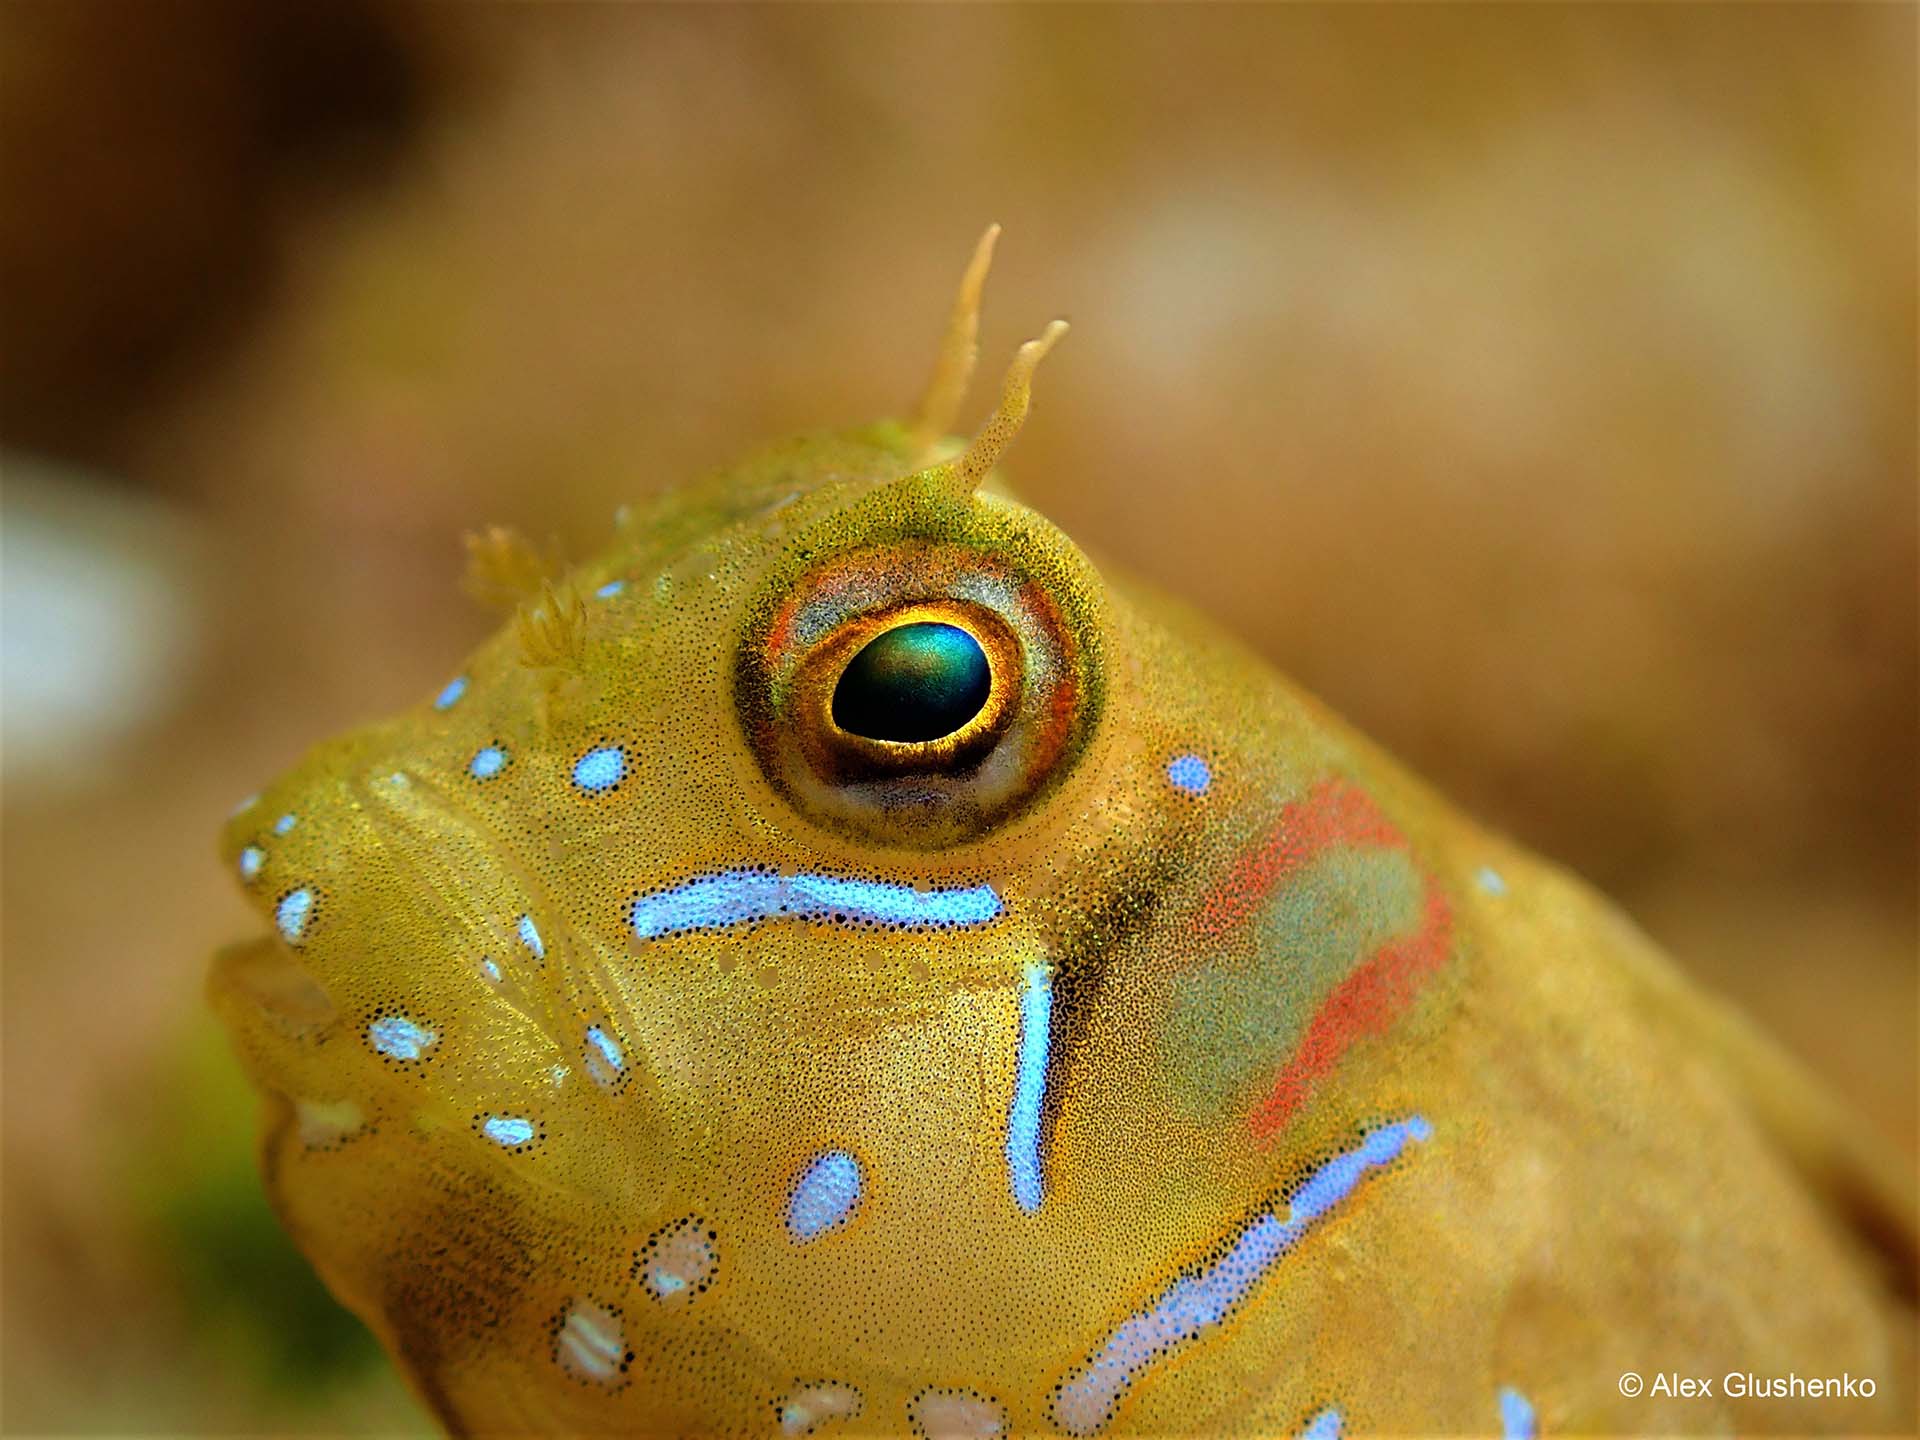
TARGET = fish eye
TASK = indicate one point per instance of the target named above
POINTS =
(915, 682)
(924, 688)
(921, 692)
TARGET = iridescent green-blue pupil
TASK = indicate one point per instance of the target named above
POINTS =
(915, 682)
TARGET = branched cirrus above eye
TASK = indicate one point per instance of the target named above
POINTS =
(913, 683)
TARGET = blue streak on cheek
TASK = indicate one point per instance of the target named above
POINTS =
(827, 897)
(606, 1061)
(604, 1043)
(1189, 773)
(507, 1130)
(1029, 1090)
(292, 912)
(710, 902)
(450, 696)
(1324, 1426)
(1516, 1416)
(1200, 1300)
(733, 897)
(530, 937)
(825, 1195)
(399, 1038)
(1335, 1180)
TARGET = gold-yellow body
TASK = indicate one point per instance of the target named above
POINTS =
(553, 1232)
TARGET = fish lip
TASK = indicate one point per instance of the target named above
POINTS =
(267, 975)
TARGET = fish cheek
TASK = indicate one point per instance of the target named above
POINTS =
(1235, 1019)
(467, 1278)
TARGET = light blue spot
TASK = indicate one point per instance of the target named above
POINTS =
(611, 589)
(666, 1282)
(1197, 1301)
(608, 1047)
(1029, 1089)
(487, 762)
(508, 1130)
(292, 912)
(252, 857)
(244, 806)
(530, 937)
(733, 897)
(400, 1038)
(285, 823)
(1189, 773)
(597, 769)
(1324, 1426)
(1490, 880)
(455, 688)
(490, 970)
(1516, 1416)
(825, 1196)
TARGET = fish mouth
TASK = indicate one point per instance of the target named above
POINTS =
(265, 974)
(278, 1019)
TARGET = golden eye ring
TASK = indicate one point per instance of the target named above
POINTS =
(843, 754)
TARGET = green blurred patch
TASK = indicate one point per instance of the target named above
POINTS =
(254, 1304)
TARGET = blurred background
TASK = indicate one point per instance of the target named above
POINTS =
(1536, 384)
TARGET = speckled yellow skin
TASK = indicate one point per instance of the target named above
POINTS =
(1617, 1176)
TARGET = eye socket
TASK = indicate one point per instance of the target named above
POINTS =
(919, 692)
(913, 683)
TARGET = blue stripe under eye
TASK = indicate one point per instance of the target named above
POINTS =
(733, 897)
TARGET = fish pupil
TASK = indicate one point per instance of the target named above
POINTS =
(915, 682)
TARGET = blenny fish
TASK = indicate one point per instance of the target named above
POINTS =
(839, 962)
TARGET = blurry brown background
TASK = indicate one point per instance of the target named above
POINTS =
(1537, 385)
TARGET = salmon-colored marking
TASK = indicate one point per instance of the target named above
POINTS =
(1335, 813)
(1365, 1003)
